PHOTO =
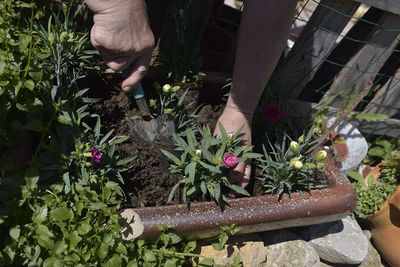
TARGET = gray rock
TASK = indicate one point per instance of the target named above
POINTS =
(285, 249)
(367, 234)
(248, 247)
(373, 260)
(341, 242)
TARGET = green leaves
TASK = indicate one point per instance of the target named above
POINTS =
(60, 214)
(15, 232)
(286, 170)
(199, 158)
(371, 117)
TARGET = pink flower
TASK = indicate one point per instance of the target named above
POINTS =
(96, 155)
(229, 160)
(273, 113)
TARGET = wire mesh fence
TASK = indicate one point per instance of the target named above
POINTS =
(349, 49)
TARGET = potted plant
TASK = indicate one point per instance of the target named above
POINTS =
(200, 159)
(378, 194)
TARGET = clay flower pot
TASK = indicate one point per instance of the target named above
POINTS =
(251, 214)
(385, 229)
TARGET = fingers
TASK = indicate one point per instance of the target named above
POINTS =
(138, 71)
(241, 174)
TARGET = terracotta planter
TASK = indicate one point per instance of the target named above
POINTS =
(385, 229)
(253, 214)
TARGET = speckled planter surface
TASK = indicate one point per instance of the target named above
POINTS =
(255, 214)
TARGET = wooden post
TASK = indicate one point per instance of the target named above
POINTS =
(356, 78)
(392, 6)
(315, 44)
(387, 99)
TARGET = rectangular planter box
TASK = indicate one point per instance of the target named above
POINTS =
(253, 214)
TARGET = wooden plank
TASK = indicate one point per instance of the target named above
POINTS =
(314, 44)
(387, 99)
(392, 6)
(389, 127)
(356, 79)
(302, 110)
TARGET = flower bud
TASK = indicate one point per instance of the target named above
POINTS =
(295, 163)
(167, 88)
(321, 155)
(50, 38)
(298, 164)
(64, 36)
(198, 152)
(153, 103)
(87, 154)
(230, 138)
(294, 147)
(168, 111)
(310, 166)
(175, 89)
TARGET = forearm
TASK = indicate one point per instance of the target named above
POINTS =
(263, 33)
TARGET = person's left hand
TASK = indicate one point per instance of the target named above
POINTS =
(233, 119)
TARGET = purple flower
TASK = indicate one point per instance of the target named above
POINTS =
(273, 113)
(229, 160)
(96, 155)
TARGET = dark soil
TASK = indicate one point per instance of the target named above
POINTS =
(149, 181)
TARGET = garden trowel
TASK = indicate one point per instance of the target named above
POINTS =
(145, 125)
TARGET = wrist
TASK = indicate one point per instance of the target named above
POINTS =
(238, 106)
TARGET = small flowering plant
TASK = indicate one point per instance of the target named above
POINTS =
(172, 102)
(205, 163)
(291, 166)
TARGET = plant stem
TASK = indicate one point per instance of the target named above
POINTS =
(27, 67)
(44, 133)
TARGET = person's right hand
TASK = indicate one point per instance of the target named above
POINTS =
(122, 34)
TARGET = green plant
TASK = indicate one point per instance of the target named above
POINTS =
(348, 102)
(372, 191)
(173, 102)
(223, 237)
(205, 164)
(383, 150)
(21, 71)
(289, 168)
(176, 60)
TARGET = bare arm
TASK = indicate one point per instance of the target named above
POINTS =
(262, 35)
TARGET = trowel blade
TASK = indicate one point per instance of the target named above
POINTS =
(153, 130)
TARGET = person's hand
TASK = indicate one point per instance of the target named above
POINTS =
(233, 119)
(122, 35)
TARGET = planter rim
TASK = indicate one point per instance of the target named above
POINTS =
(255, 214)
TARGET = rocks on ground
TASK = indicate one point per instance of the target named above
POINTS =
(340, 243)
